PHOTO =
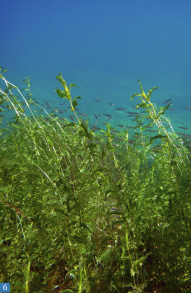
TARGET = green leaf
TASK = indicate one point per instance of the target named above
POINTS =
(139, 262)
(86, 227)
(150, 92)
(61, 94)
(135, 95)
(10, 87)
(142, 105)
(142, 91)
(69, 124)
(75, 103)
(85, 132)
(61, 80)
(98, 170)
(72, 84)
(27, 81)
(108, 191)
(65, 94)
(158, 136)
(163, 109)
(91, 144)
(2, 68)
(143, 95)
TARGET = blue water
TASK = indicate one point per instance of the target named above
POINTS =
(103, 46)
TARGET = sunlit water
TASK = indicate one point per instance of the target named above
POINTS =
(104, 47)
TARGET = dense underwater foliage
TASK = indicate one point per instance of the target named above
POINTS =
(92, 210)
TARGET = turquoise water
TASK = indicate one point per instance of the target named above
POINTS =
(103, 47)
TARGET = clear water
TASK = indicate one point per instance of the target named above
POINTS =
(103, 46)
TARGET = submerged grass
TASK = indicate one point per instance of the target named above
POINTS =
(92, 211)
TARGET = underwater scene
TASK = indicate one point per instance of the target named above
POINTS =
(95, 146)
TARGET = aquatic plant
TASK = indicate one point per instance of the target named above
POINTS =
(91, 211)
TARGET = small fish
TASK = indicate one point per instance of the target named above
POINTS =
(157, 149)
(119, 125)
(98, 101)
(183, 127)
(119, 109)
(187, 107)
(83, 114)
(182, 134)
(72, 118)
(132, 113)
(95, 116)
(110, 104)
(151, 130)
(46, 103)
(167, 101)
(131, 141)
(96, 128)
(108, 115)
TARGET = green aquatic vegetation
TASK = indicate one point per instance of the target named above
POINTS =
(92, 211)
